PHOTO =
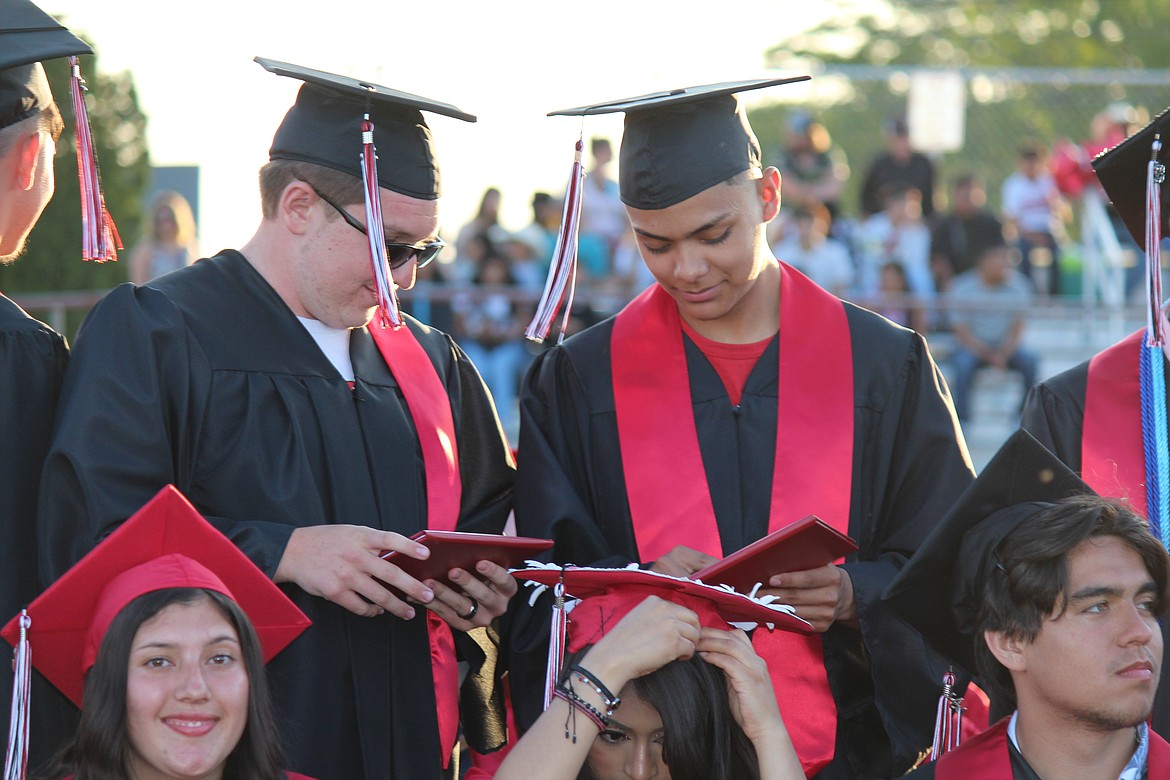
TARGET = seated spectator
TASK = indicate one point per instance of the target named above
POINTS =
(811, 251)
(1034, 214)
(895, 301)
(657, 684)
(531, 247)
(963, 232)
(1052, 594)
(160, 635)
(899, 165)
(897, 234)
(813, 170)
(986, 306)
(603, 215)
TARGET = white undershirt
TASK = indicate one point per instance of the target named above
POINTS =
(334, 342)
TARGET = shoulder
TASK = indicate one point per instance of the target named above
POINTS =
(582, 363)
(15, 321)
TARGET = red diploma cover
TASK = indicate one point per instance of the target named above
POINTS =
(670, 502)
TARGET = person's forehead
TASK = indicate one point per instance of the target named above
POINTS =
(1106, 561)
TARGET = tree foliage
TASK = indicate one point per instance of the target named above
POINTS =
(991, 42)
(52, 260)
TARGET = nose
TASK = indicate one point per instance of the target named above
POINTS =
(1139, 626)
(689, 263)
(404, 275)
(643, 762)
(192, 686)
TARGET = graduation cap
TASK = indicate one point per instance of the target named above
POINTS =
(940, 588)
(675, 144)
(342, 123)
(29, 36)
(166, 544)
(1122, 172)
(604, 596)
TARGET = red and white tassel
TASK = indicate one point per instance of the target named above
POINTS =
(99, 236)
(556, 644)
(384, 285)
(1155, 316)
(16, 763)
(562, 273)
(948, 722)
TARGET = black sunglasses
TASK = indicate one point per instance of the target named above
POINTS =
(397, 255)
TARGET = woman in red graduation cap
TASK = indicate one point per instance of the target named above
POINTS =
(160, 635)
(657, 684)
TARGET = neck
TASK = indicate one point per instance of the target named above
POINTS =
(1062, 749)
(755, 317)
(272, 260)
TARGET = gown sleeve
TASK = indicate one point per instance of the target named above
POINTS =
(1054, 412)
(129, 421)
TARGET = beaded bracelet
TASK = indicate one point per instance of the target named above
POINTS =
(576, 703)
(584, 675)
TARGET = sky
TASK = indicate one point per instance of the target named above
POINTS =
(509, 62)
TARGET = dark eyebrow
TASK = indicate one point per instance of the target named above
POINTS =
(693, 233)
(166, 645)
(1096, 591)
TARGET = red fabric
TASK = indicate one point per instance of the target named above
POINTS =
(669, 499)
(732, 362)
(1112, 451)
(976, 712)
(430, 409)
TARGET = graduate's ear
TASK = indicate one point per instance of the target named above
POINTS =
(1007, 650)
(28, 157)
(768, 187)
(295, 207)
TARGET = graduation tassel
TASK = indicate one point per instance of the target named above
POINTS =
(948, 722)
(99, 236)
(556, 644)
(1152, 374)
(387, 290)
(562, 273)
(16, 763)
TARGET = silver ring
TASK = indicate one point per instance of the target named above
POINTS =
(471, 612)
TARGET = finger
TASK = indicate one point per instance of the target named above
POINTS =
(490, 599)
(809, 578)
(383, 574)
(386, 542)
(500, 578)
(667, 565)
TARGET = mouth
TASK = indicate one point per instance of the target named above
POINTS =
(191, 725)
(1138, 670)
(699, 296)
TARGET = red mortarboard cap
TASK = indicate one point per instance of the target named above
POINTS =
(607, 595)
(680, 142)
(166, 544)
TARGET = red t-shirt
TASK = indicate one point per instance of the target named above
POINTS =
(733, 362)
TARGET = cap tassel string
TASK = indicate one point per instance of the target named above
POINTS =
(561, 282)
(948, 721)
(384, 285)
(556, 644)
(99, 236)
(1153, 379)
(16, 762)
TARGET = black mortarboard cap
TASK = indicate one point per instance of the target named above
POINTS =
(939, 589)
(1122, 172)
(324, 127)
(678, 143)
(28, 37)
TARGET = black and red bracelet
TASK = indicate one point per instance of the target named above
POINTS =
(584, 675)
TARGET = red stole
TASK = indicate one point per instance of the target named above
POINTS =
(670, 502)
(430, 409)
(987, 758)
(1112, 451)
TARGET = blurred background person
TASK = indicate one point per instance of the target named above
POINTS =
(1034, 215)
(898, 233)
(894, 299)
(812, 169)
(809, 248)
(898, 164)
(603, 215)
(963, 232)
(169, 242)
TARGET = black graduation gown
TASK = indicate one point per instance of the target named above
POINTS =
(909, 465)
(32, 363)
(206, 380)
(1054, 412)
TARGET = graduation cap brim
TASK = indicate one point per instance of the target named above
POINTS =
(623, 589)
(675, 97)
(61, 616)
(933, 591)
(363, 89)
(1122, 172)
(28, 35)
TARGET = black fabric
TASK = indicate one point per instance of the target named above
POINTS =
(908, 467)
(29, 36)
(1122, 172)
(219, 390)
(885, 170)
(1054, 412)
(32, 363)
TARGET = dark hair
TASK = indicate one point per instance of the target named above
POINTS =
(702, 741)
(101, 748)
(48, 119)
(1029, 584)
(337, 186)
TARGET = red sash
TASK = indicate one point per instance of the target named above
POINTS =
(987, 758)
(1112, 451)
(430, 409)
(670, 502)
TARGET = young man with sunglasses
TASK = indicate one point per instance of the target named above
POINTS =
(271, 388)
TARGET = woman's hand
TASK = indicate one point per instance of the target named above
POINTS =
(651, 635)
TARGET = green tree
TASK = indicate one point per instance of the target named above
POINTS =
(52, 261)
(1024, 59)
